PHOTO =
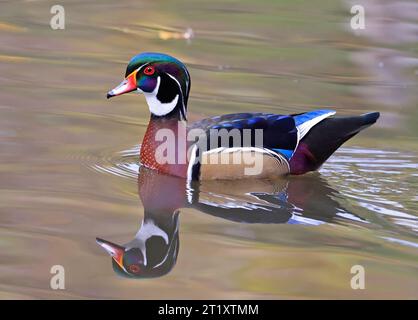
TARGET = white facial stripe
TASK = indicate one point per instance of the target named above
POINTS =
(183, 111)
(146, 231)
(156, 106)
(137, 70)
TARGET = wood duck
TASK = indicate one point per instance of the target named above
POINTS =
(154, 249)
(291, 144)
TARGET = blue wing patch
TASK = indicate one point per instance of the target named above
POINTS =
(306, 121)
(302, 118)
(287, 153)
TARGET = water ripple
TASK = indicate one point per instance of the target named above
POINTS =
(365, 176)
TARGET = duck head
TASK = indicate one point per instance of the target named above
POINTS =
(153, 251)
(164, 81)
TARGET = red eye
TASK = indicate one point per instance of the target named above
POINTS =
(134, 268)
(149, 71)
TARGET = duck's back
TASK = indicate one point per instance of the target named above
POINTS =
(274, 145)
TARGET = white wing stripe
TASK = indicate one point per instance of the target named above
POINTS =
(304, 128)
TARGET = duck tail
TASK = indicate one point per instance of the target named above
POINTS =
(326, 137)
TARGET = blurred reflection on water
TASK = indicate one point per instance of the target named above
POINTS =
(154, 249)
(63, 180)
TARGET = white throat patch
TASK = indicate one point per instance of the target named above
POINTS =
(156, 106)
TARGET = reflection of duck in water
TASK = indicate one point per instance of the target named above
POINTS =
(152, 252)
(154, 249)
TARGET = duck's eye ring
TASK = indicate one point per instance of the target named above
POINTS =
(149, 71)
